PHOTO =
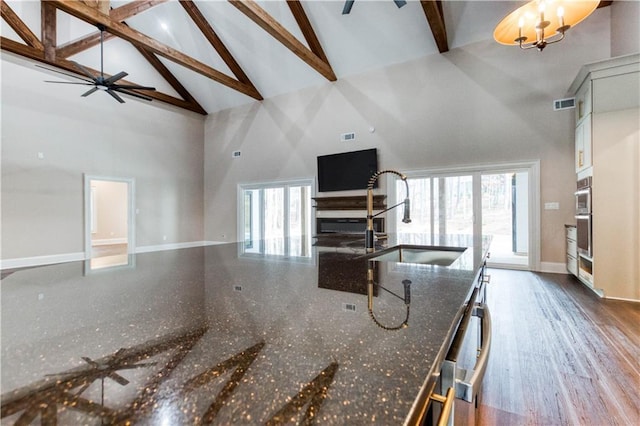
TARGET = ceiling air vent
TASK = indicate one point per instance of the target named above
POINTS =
(566, 103)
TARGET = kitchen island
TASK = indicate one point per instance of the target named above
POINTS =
(219, 335)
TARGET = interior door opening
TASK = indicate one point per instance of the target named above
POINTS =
(108, 221)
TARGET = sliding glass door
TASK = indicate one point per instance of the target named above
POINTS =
(487, 201)
(275, 218)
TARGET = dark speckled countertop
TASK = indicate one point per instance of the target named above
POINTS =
(216, 335)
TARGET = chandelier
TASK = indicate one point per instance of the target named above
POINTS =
(542, 22)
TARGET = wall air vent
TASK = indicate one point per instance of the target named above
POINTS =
(566, 103)
(349, 307)
(347, 137)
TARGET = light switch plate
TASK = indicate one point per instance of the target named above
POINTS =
(552, 206)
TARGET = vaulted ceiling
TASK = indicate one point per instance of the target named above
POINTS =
(205, 56)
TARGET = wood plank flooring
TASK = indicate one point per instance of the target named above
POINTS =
(559, 355)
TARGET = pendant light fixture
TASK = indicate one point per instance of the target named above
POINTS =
(542, 22)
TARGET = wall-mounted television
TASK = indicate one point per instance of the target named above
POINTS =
(347, 170)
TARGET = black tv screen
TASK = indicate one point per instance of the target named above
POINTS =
(347, 170)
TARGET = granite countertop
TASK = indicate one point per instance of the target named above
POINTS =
(219, 335)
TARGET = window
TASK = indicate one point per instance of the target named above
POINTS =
(500, 201)
(275, 218)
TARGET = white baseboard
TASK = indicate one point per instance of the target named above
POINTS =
(173, 246)
(108, 241)
(25, 262)
(553, 267)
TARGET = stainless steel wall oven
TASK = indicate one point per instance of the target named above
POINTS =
(584, 218)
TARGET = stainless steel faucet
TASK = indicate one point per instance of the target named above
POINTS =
(369, 236)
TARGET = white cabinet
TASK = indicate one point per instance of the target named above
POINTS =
(583, 101)
(572, 249)
(607, 145)
(583, 144)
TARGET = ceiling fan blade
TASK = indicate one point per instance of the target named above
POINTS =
(89, 360)
(70, 82)
(65, 73)
(131, 87)
(116, 77)
(400, 3)
(347, 7)
(85, 94)
(134, 94)
(85, 71)
(119, 379)
(115, 95)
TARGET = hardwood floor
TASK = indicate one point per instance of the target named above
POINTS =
(559, 355)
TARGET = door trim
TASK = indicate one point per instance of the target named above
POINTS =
(131, 225)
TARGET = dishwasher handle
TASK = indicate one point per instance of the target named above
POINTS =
(468, 382)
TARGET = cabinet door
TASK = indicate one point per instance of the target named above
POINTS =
(583, 144)
(583, 101)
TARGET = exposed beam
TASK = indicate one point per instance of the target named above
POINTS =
(101, 6)
(258, 15)
(170, 78)
(209, 33)
(29, 52)
(87, 14)
(19, 27)
(433, 12)
(48, 24)
(75, 47)
(119, 14)
(131, 9)
(307, 30)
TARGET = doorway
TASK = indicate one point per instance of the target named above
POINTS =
(109, 221)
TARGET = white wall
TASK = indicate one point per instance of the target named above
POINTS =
(481, 104)
(625, 27)
(42, 199)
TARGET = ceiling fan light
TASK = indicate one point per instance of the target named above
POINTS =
(559, 14)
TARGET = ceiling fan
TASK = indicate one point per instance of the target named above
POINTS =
(349, 4)
(109, 84)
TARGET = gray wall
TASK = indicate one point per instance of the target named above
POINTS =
(625, 27)
(481, 104)
(42, 199)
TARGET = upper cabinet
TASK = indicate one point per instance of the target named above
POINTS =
(583, 144)
(583, 126)
(583, 101)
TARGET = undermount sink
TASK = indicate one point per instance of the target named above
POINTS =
(426, 255)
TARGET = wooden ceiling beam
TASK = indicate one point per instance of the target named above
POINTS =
(171, 79)
(433, 12)
(119, 14)
(307, 30)
(19, 27)
(75, 47)
(258, 15)
(131, 9)
(48, 24)
(35, 54)
(203, 25)
(121, 30)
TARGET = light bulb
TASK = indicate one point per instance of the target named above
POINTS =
(521, 22)
(560, 11)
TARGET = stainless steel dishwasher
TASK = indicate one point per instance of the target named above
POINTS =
(466, 361)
